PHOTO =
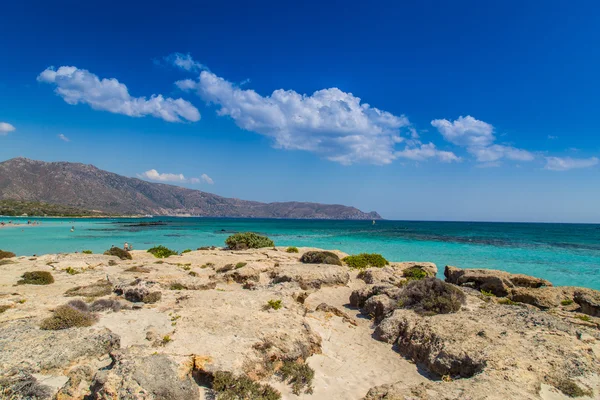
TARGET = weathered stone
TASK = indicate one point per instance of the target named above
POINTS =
(312, 276)
(429, 267)
(589, 301)
(378, 306)
(497, 282)
(542, 298)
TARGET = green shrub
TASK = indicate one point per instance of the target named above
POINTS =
(66, 317)
(567, 302)
(571, 388)
(231, 387)
(192, 273)
(162, 252)
(152, 297)
(248, 240)
(273, 304)
(7, 261)
(585, 318)
(36, 278)
(431, 296)
(414, 273)
(118, 252)
(507, 302)
(320, 257)
(299, 375)
(6, 254)
(365, 260)
(292, 249)
(72, 271)
(240, 265)
(487, 293)
(87, 252)
(177, 286)
(186, 251)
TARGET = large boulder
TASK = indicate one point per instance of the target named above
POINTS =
(497, 282)
(379, 306)
(589, 301)
(359, 297)
(311, 276)
(428, 267)
(136, 376)
(543, 298)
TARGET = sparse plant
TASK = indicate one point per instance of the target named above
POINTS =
(192, 273)
(431, 296)
(87, 252)
(6, 254)
(152, 297)
(487, 293)
(365, 260)
(207, 265)
(571, 388)
(67, 316)
(299, 375)
(507, 302)
(567, 302)
(4, 307)
(21, 301)
(106, 304)
(240, 265)
(118, 252)
(292, 249)
(72, 271)
(231, 387)
(248, 240)
(162, 252)
(36, 278)
(583, 317)
(273, 304)
(414, 274)
(320, 257)
(186, 251)
(112, 263)
(7, 262)
(166, 339)
(177, 286)
(23, 386)
(138, 268)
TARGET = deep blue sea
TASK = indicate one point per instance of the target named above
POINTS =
(565, 254)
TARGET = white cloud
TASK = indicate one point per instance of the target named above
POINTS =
(185, 61)
(567, 163)
(207, 179)
(76, 86)
(551, 137)
(154, 175)
(330, 122)
(478, 137)
(423, 152)
(6, 128)
(63, 138)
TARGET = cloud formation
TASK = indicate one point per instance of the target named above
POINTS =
(567, 163)
(185, 61)
(63, 138)
(6, 128)
(330, 122)
(154, 175)
(423, 152)
(76, 86)
(478, 138)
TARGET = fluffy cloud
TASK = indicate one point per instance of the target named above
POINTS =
(63, 138)
(330, 122)
(154, 175)
(76, 86)
(567, 163)
(6, 128)
(478, 137)
(423, 152)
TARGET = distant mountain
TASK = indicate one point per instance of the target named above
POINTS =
(89, 188)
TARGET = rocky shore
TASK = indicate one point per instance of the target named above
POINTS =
(273, 323)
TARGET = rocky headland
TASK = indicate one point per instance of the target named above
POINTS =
(277, 322)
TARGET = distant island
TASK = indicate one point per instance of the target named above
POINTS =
(72, 189)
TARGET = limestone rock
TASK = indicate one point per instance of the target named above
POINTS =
(312, 275)
(589, 301)
(379, 306)
(497, 282)
(429, 267)
(139, 291)
(360, 296)
(542, 298)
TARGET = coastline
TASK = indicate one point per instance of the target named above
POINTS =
(214, 311)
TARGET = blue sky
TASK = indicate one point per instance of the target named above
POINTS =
(461, 110)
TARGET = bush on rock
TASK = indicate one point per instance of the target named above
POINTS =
(36, 278)
(320, 257)
(365, 260)
(162, 252)
(118, 252)
(248, 240)
(431, 296)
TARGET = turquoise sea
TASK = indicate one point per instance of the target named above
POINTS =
(565, 254)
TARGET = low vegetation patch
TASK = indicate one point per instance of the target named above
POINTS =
(582, 317)
(36, 278)
(571, 388)
(186, 251)
(507, 302)
(72, 271)
(240, 265)
(231, 387)
(98, 289)
(87, 252)
(4, 307)
(6, 254)
(487, 293)
(151, 298)
(118, 252)
(7, 261)
(138, 268)
(299, 375)
(106, 304)
(67, 316)
(292, 249)
(365, 260)
(177, 286)
(414, 274)
(162, 252)
(23, 386)
(273, 304)
(248, 240)
(431, 296)
(567, 302)
(320, 257)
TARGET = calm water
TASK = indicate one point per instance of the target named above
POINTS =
(565, 254)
